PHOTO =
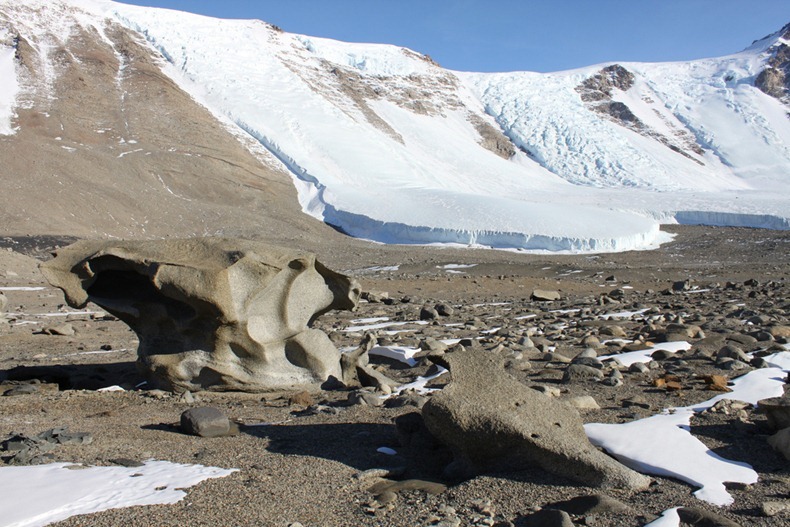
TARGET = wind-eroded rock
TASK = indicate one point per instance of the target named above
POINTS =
(212, 313)
(493, 422)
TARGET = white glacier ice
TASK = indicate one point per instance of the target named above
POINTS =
(386, 145)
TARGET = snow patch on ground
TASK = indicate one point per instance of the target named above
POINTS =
(663, 445)
(623, 314)
(381, 325)
(38, 495)
(403, 354)
(419, 384)
(631, 357)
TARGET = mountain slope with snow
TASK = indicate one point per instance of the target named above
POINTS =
(700, 125)
(101, 143)
(386, 145)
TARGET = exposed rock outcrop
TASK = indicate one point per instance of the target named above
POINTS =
(212, 313)
(774, 80)
(598, 91)
(599, 87)
(492, 138)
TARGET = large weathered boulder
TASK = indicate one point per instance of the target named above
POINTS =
(212, 313)
(492, 422)
(777, 410)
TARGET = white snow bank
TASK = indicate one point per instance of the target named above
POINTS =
(38, 495)
(380, 268)
(631, 357)
(403, 354)
(9, 84)
(623, 314)
(382, 325)
(368, 320)
(419, 384)
(663, 445)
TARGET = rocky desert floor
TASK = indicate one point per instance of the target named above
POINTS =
(312, 459)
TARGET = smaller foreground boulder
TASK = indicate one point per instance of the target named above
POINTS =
(777, 410)
(212, 313)
(207, 421)
(492, 422)
(545, 295)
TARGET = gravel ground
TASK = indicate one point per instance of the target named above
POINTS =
(297, 466)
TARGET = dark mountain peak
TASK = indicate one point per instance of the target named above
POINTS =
(774, 79)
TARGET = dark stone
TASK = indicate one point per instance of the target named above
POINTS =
(548, 518)
(636, 400)
(444, 310)
(428, 313)
(545, 295)
(125, 462)
(588, 361)
(591, 504)
(22, 389)
(703, 518)
(206, 422)
(33, 450)
(581, 372)
(660, 355)
(777, 410)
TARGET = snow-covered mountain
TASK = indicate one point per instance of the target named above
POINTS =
(384, 144)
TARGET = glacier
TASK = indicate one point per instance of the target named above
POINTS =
(384, 144)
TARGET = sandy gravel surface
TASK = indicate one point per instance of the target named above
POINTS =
(295, 466)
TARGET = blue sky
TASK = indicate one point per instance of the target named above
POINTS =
(508, 35)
